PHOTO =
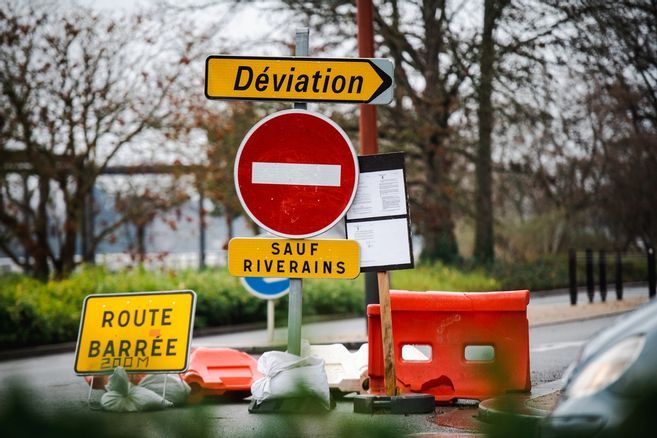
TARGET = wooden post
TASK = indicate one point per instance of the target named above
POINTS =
(386, 333)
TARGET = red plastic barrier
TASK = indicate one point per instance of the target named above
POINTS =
(213, 371)
(476, 344)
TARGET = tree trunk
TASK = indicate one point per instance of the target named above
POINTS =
(41, 269)
(255, 228)
(74, 215)
(230, 217)
(87, 230)
(439, 241)
(484, 252)
(140, 236)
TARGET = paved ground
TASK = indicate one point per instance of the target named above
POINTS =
(53, 386)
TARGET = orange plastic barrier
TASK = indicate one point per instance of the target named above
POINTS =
(213, 371)
(454, 345)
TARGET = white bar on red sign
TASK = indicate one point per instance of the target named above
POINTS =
(325, 175)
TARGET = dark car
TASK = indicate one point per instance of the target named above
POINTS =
(611, 389)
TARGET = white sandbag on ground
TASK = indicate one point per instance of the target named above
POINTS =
(287, 376)
(123, 396)
(177, 390)
(345, 371)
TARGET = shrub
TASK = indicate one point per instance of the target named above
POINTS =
(34, 313)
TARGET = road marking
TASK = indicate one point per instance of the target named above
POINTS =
(557, 346)
(325, 175)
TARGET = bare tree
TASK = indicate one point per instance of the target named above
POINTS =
(76, 88)
(224, 131)
(431, 71)
(140, 207)
(609, 149)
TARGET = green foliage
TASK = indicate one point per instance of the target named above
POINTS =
(439, 277)
(551, 272)
(541, 274)
(21, 416)
(33, 313)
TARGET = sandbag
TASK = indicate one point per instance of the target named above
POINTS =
(286, 375)
(123, 396)
(177, 390)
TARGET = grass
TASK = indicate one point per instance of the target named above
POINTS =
(438, 277)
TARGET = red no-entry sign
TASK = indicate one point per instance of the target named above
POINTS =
(296, 173)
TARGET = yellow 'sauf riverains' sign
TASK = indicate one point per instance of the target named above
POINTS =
(320, 258)
(144, 332)
(299, 79)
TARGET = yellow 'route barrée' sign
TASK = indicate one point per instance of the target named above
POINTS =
(144, 332)
(299, 79)
(307, 258)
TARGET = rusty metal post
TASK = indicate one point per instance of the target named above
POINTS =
(367, 118)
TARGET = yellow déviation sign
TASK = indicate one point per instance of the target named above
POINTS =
(300, 79)
(144, 332)
(318, 258)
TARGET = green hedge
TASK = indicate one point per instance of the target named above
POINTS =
(34, 313)
(551, 272)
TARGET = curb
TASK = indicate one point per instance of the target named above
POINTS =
(514, 406)
(582, 289)
(584, 318)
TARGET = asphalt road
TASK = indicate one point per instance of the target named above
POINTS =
(53, 387)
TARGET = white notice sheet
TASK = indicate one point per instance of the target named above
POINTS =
(379, 194)
(382, 242)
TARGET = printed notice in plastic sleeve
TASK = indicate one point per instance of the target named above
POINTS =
(379, 194)
(382, 242)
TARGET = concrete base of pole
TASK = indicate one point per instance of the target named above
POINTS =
(295, 405)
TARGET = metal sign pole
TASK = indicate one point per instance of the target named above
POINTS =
(295, 300)
(270, 321)
(91, 387)
(294, 318)
(164, 389)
